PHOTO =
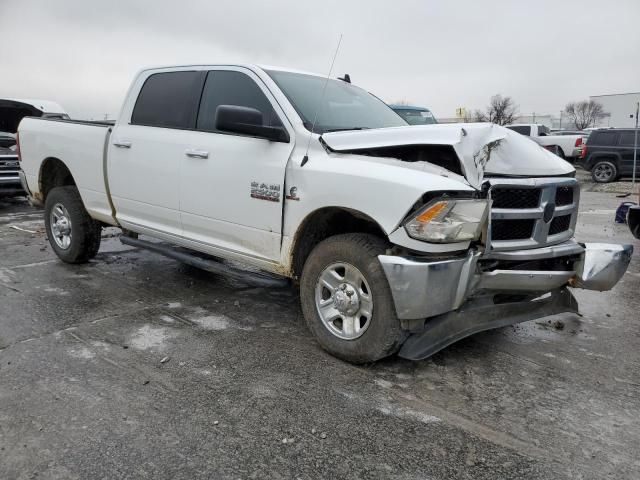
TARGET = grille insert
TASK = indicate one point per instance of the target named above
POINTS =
(560, 224)
(516, 197)
(564, 196)
(517, 229)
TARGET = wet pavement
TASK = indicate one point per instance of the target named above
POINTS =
(136, 366)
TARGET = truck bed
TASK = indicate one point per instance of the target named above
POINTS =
(81, 145)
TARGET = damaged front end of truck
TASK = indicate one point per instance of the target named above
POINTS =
(520, 258)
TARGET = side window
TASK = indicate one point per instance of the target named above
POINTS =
(522, 129)
(604, 138)
(628, 138)
(169, 100)
(232, 88)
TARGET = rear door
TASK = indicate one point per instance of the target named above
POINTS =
(626, 141)
(232, 188)
(147, 148)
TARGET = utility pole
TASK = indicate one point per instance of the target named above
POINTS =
(635, 151)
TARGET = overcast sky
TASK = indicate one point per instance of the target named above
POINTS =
(441, 54)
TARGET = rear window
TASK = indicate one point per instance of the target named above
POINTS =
(169, 99)
(627, 138)
(603, 138)
(523, 129)
(416, 117)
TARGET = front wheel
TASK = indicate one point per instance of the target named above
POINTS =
(346, 300)
(73, 234)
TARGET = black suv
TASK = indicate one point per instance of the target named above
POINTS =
(608, 154)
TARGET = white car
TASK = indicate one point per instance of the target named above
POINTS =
(402, 238)
(565, 146)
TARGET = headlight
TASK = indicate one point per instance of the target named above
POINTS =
(448, 221)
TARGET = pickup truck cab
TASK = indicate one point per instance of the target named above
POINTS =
(565, 146)
(415, 115)
(402, 238)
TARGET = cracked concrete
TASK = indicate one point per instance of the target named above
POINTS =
(247, 393)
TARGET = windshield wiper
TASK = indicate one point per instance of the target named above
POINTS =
(346, 129)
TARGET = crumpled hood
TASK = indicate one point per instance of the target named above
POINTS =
(483, 148)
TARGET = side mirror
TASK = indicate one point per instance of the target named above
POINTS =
(247, 121)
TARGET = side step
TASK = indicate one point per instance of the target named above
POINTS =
(208, 263)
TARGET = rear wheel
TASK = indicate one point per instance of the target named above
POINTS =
(73, 234)
(604, 171)
(346, 300)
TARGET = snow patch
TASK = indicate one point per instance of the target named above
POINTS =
(82, 352)
(212, 322)
(403, 412)
(56, 290)
(174, 305)
(148, 337)
(167, 318)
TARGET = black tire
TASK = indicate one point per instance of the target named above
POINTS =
(84, 239)
(604, 171)
(383, 335)
(560, 153)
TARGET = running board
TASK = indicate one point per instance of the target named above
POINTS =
(208, 263)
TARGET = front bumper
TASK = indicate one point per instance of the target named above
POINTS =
(459, 298)
(423, 288)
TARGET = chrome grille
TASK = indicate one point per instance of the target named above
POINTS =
(532, 213)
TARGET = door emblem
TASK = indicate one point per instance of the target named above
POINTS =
(293, 194)
(264, 191)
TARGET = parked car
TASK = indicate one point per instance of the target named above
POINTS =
(565, 146)
(11, 113)
(402, 238)
(608, 154)
(415, 115)
(633, 220)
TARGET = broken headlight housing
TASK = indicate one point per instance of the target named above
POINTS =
(448, 221)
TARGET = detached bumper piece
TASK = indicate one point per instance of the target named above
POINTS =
(474, 317)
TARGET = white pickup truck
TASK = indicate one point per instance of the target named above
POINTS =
(565, 146)
(402, 238)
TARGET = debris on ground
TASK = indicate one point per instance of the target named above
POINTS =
(22, 229)
(164, 360)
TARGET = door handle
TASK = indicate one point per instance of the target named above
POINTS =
(122, 144)
(196, 153)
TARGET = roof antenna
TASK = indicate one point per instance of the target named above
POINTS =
(346, 78)
(305, 159)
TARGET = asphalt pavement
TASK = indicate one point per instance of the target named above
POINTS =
(136, 366)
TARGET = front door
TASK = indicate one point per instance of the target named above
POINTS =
(232, 185)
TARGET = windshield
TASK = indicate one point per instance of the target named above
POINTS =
(416, 117)
(344, 106)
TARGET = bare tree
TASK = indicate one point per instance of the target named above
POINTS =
(585, 114)
(501, 110)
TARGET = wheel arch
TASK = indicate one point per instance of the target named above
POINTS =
(53, 173)
(326, 222)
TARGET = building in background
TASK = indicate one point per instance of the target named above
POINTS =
(621, 108)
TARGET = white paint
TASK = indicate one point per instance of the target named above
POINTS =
(212, 322)
(148, 337)
(174, 305)
(167, 318)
